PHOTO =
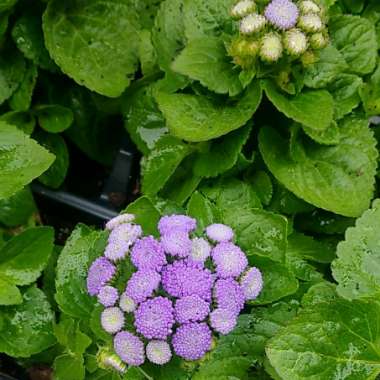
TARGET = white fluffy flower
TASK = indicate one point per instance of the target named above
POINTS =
(242, 8)
(271, 47)
(309, 7)
(295, 42)
(252, 23)
(310, 23)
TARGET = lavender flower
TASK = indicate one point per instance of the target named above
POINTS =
(177, 243)
(182, 279)
(229, 259)
(127, 233)
(223, 320)
(129, 348)
(219, 232)
(229, 295)
(108, 295)
(251, 283)
(295, 42)
(112, 320)
(252, 23)
(154, 318)
(148, 253)
(283, 14)
(126, 303)
(101, 271)
(310, 23)
(120, 219)
(158, 352)
(170, 223)
(242, 8)
(191, 341)
(116, 250)
(191, 309)
(200, 250)
(142, 284)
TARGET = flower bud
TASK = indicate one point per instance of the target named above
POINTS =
(108, 360)
(308, 58)
(295, 42)
(310, 23)
(252, 23)
(309, 7)
(271, 48)
(243, 8)
(318, 41)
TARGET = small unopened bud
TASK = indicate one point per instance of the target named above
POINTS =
(271, 47)
(309, 7)
(243, 51)
(310, 23)
(252, 23)
(308, 58)
(295, 42)
(318, 41)
(243, 8)
(109, 360)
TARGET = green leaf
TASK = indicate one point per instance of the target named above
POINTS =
(370, 94)
(82, 247)
(357, 267)
(206, 60)
(161, 163)
(17, 209)
(69, 367)
(262, 185)
(329, 340)
(222, 154)
(23, 258)
(372, 13)
(9, 294)
(337, 178)
(21, 160)
(27, 329)
(330, 64)
(54, 118)
(147, 54)
(56, 174)
(6, 4)
(200, 208)
(84, 40)
(24, 121)
(197, 118)
(355, 38)
(314, 109)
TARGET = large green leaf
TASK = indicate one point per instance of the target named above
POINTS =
(370, 94)
(94, 42)
(200, 208)
(21, 160)
(27, 329)
(357, 267)
(9, 294)
(197, 118)
(337, 178)
(329, 340)
(69, 367)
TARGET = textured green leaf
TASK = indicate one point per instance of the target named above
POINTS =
(357, 267)
(372, 13)
(24, 121)
(337, 178)
(69, 367)
(54, 118)
(196, 118)
(370, 94)
(21, 160)
(85, 41)
(200, 208)
(262, 185)
(355, 38)
(314, 109)
(9, 294)
(206, 61)
(329, 340)
(6, 4)
(27, 329)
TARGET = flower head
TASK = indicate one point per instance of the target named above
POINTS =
(120, 219)
(223, 320)
(295, 42)
(116, 250)
(242, 8)
(200, 250)
(108, 295)
(252, 23)
(191, 309)
(309, 7)
(129, 348)
(177, 243)
(171, 223)
(271, 48)
(112, 320)
(127, 233)
(142, 284)
(182, 279)
(229, 295)
(126, 303)
(148, 253)
(251, 283)
(154, 318)
(158, 352)
(283, 14)
(229, 259)
(192, 340)
(219, 232)
(101, 271)
(318, 40)
(310, 23)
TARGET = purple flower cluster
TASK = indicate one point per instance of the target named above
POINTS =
(184, 289)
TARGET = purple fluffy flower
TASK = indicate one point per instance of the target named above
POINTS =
(219, 232)
(129, 348)
(200, 250)
(116, 250)
(108, 295)
(126, 303)
(229, 295)
(182, 279)
(282, 13)
(177, 243)
(142, 284)
(171, 223)
(192, 340)
(148, 253)
(112, 320)
(191, 309)
(223, 320)
(101, 271)
(252, 283)
(155, 318)
(120, 219)
(158, 352)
